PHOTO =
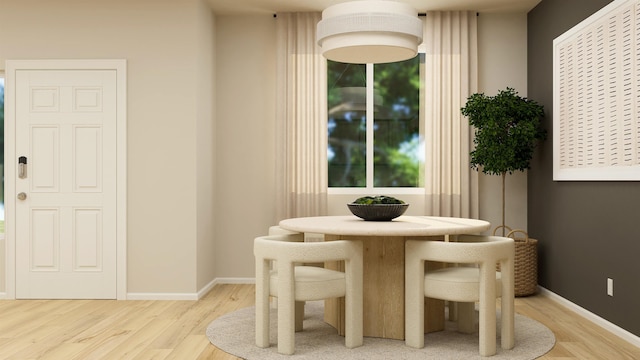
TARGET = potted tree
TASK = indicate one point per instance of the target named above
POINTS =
(507, 129)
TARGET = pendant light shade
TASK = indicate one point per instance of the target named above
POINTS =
(369, 31)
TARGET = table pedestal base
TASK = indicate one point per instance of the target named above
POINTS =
(383, 305)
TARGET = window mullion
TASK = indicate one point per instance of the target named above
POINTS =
(370, 121)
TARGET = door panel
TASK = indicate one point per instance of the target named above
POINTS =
(66, 226)
(87, 167)
(45, 158)
(87, 236)
(44, 240)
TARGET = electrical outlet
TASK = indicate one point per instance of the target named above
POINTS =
(609, 286)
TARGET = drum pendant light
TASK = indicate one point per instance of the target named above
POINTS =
(369, 31)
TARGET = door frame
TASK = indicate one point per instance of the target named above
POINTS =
(120, 66)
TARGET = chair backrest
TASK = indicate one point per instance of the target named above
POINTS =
(466, 249)
(277, 230)
(290, 248)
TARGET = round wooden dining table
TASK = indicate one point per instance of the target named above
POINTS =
(383, 307)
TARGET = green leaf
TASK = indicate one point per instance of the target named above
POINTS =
(507, 129)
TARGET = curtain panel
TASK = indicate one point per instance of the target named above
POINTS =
(450, 40)
(301, 118)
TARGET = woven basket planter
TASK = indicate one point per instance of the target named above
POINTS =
(526, 262)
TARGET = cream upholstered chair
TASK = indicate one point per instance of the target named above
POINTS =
(460, 283)
(308, 237)
(277, 230)
(292, 283)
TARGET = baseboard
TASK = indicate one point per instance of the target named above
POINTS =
(605, 324)
(205, 290)
(162, 296)
(187, 296)
(3, 295)
(235, 280)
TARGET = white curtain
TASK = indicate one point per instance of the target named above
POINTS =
(451, 185)
(301, 118)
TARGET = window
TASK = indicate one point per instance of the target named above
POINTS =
(375, 141)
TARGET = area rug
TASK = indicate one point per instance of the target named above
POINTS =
(234, 333)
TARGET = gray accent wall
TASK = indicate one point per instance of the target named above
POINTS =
(587, 231)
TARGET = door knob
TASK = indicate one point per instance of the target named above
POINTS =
(22, 196)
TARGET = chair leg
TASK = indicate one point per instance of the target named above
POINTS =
(262, 322)
(286, 309)
(466, 317)
(299, 315)
(507, 306)
(286, 327)
(262, 305)
(507, 327)
(487, 327)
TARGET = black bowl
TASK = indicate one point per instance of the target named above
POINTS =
(378, 212)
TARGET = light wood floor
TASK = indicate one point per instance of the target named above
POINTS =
(96, 329)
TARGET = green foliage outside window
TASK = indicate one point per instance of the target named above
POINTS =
(396, 154)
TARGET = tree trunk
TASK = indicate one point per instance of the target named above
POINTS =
(504, 176)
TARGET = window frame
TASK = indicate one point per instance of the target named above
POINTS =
(369, 188)
(2, 199)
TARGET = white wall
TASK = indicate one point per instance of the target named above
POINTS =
(245, 65)
(205, 147)
(169, 108)
(245, 146)
(502, 59)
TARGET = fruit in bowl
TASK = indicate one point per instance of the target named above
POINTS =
(381, 199)
(378, 208)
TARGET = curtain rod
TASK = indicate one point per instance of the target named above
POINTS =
(419, 14)
(425, 14)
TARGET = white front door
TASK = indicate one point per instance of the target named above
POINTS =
(65, 206)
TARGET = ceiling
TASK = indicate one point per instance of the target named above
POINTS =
(231, 7)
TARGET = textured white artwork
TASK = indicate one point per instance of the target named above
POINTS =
(596, 99)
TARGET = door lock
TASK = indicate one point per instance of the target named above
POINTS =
(22, 196)
(22, 167)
